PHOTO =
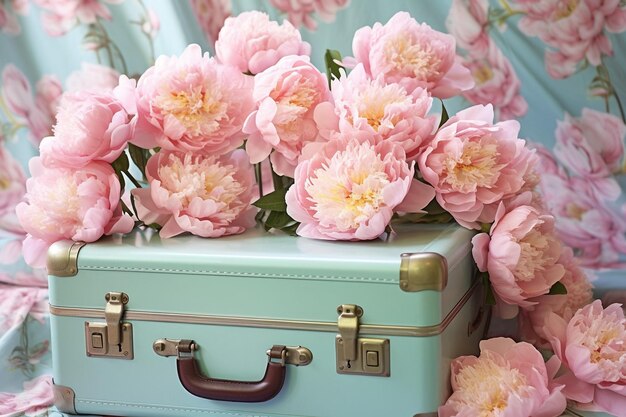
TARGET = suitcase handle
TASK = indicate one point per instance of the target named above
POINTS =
(194, 381)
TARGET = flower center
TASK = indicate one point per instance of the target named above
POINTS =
(533, 257)
(486, 386)
(575, 211)
(476, 167)
(199, 177)
(564, 9)
(199, 109)
(62, 205)
(413, 59)
(605, 337)
(374, 100)
(348, 190)
(482, 74)
(5, 183)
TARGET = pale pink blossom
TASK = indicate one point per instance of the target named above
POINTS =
(300, 12)
(579, 294)
(348, 189)
(16, 303)
(192, 103)
(286, 95)
(252, 42)
(91, 126)
(35, 398)
(475, 164)
(403, 51)
(21, 7)
(584, 222)
(521, 254)
(12, 182)
(211, 15)
(63, 203)
(92, 77)
(8, 22)
(468, 22)
(507, 379)
(151, 24)
(546, 162)
(59, 16)
(496, 83)
(385, 111)
(592, 345)
(591, 146)
(16, 91)
(208, 196)
(573, 30)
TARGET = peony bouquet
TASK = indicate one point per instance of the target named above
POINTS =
(257, 134)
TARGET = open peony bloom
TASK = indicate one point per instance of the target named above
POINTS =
(507, 379)
(404, 51)
(191, 103)
(251, 42)
(65, 203)
(91, 126)
(12, 182)
(300, 12)
(386, 111)
(468, 22)
(593, 346)
(475, 164)
(349, 189)
(286, 95)
(521, 254)
(208, 196)
(92, 77)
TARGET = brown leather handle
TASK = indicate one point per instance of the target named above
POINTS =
(196, 383)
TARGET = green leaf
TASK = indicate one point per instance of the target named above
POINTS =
(332, 68)
(278, 220)
(121, 163)
(274, 201)
(444, 114)
(139, 156)
(558, 288)
(490, 298)
(291, 230)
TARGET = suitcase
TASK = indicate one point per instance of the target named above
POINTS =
(262, 324)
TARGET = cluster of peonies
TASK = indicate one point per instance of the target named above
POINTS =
(346, 155)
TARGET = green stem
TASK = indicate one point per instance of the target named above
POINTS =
(574, 413)
(276, 179)
(259, 178)
(619, 104)
(111, 47)
(132, 179)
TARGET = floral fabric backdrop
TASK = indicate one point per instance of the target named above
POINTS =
(557, 66)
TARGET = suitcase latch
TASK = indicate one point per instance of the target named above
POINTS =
(112, 339)
(358, 355)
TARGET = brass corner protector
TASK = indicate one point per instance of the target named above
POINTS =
(63, 258)
(423, 271)
(64, 398)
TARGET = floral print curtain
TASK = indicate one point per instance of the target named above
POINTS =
(557, 66)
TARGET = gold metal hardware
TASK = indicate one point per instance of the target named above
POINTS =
(64, 398)
(113, 338)
(358, 355)
(62, 258)
(423, 271)
(291, 355)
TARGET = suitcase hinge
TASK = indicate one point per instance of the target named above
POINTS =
(357, 355)
(113, 338)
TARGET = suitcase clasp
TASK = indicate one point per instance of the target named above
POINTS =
(113, 338)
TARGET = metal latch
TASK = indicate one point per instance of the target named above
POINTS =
(113, 339)
(358, 355)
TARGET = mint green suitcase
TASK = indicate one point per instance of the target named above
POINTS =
(262, 324)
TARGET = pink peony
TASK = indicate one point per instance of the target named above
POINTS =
(403, 51)
(579, 294)
(386, 111)
(468, 22)
(192, 103)
(584, 222)
(574, 30)
(496, 83)
(91, 126)
(252, 42)
(59, 16)
(211, 15)
(34, 400)
(92, 77)
(474, 164)
(12, 182)
(507, 379)
(286, 95)
(348, 189)
(300, 12)
(521, 255)
(16, 303)
(546, 162)
(208, 196)
(16, 91)
(8, 22)
(593, 347)
(64, 203)
(591, 146)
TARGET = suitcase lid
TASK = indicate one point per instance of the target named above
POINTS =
(260, 274)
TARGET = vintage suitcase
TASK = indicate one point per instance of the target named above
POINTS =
(262, 324)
